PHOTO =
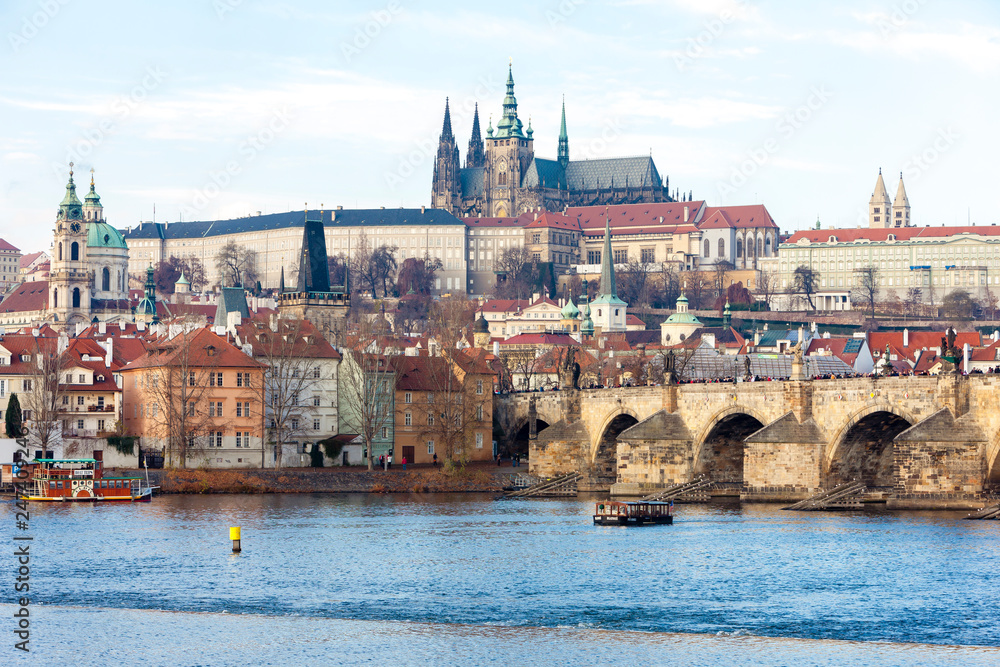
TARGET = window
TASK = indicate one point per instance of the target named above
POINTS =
(190, 410)
(315, 372)
(295, 372)
(100, 424)
(479, 441)
(647, 255)
(593, 257)
(26, 384)
(26, 414)
(479, 387)
(408, 419)
(239, 439)
(430, 397)
(79, 424)
(315, 401)
(239, 379)
(100, 402)
(722, 247)
(430, 419)
(407, 397)
(65, 400)
(79, 400)
(621, 256)
(479, 413)
(295, 424)
(218, 438)
(430, 447)
(536, 238)
(191, 379)
(315, 424)
(69, 378)
(739, 248)
(215, 409)
(385, 432)
(536, 257)
(708, 248)
(215, 379)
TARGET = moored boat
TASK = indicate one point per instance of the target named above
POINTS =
(80, 480)
(633, 513)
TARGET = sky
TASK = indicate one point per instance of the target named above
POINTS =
(213, 109)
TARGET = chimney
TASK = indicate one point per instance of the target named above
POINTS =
(906, 338)
(80, 326)
(423, 209)
(102, 327)
(140, 325)
(110, 354)
(121, 326)
(687, 213)
(340, 208)
(63, 343)
(496, 348)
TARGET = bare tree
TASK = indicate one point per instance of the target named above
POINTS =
(418, 275)
(695, 286)
(366, 388)
(42, 395)
(516, 275)
(767, 285)
(237, 265)
(805, 282)
(720, 274)
(913, 300)
(194, 271)
(866, 288)
(633, 283)
(384, 267)
(670, 284)
(295, 357)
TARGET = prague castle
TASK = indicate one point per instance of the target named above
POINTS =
(502, 176)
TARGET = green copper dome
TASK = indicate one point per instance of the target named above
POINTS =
(570, 311)
(683, 318)
(103, 235)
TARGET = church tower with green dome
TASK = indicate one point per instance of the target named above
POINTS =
(69, 281)
(509, 152)
(89, 275)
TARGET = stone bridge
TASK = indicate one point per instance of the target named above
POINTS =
(924, 441)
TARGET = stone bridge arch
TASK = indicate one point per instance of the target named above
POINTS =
(862, 449)
(604, 447)
(991, 476)
(718, 451)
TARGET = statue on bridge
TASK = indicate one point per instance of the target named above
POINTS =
(748, 373)
(569, 370)
(669, 368)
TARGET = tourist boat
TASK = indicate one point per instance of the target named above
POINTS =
(635, 513)
(80, 480)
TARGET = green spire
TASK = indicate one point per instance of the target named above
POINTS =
(509, 125)
(608, 287)
(69, 208)
(563, 138)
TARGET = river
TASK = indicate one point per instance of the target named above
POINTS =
(466, 580)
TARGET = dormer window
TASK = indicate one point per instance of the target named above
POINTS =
(25, 357)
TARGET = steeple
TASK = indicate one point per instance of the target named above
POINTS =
(145, 310)
(446, 127)
(314, 269)
(476, 157)
(901, 206)
(563, 138)
(608, 286)
(93, 211)
(509, 125)
(445, 189)
(281, 283)
(70, 207)
(879, 206)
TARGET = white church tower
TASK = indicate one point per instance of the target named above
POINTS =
(901, 206)
(879, 206)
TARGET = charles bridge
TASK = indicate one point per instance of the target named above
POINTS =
(929, 441)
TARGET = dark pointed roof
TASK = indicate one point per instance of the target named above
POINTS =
(446, 126)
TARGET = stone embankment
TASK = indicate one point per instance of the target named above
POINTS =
(330, 480)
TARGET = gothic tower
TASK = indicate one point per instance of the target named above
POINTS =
(476, 157)
(69, 279)
(563, 138)
(446, 192)
(879, 206)
(509, 151)
(901, 206)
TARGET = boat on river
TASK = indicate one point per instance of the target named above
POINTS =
(633, 513)
(80, 480)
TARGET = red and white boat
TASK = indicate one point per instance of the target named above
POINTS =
(80, 480)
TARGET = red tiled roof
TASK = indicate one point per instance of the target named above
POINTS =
(919, 340)
(555, 221)
(307, 342)
(663, 217)
(496, 222)
(6, 246)
(739, 217)
(26, 260)
(226, 355)
(633, 319)
(539, 339)
(504, 305)
(835, 345)
(27, 297)
(900, 233)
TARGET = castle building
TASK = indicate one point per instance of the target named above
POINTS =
(502, 176)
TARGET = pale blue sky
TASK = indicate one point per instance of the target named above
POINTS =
(792, 104)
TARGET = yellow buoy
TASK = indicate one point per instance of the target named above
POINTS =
(234, 535)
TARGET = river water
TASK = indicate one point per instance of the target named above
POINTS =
(466, 580)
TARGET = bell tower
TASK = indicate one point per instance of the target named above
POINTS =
(69, 280)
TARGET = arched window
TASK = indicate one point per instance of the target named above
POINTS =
(708, 248)
(74, 251)
(105, 279)
(739, 248)
(60, 252)
(76, 296)
(722, 248)
(749, 248)
(767, 246)
(55, 298)
(760, 246)
(502, 179)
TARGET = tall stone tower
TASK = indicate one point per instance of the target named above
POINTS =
(69, 279)
(509, 151)
(476, 157)
(901, 206)
(446, 192)
(879, 206)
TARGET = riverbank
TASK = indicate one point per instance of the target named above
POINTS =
(482, 479)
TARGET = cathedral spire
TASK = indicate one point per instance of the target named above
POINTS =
(563, 138)
(510, 125)
(476, 157)
(70, 207)
(446, 126)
